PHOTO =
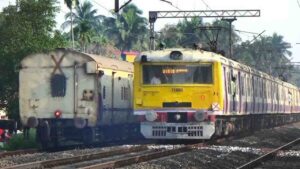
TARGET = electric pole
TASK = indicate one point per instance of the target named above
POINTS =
(224, 14)
(230, 20)
(117, 5)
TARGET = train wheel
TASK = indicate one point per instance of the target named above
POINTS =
(88, 135)
(43, 133)
(219, 127)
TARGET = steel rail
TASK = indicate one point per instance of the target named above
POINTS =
(269, 155)
(76, 159)
(125, 161)
(18, 152)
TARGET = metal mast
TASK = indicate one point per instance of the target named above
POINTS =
(225, 14)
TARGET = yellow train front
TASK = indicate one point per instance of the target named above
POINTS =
(177, 93)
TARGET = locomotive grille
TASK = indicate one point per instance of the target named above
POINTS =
(177, 117)
(159, 131)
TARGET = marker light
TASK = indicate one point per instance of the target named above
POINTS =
(200, 116)
(57, 114)
(151, 116)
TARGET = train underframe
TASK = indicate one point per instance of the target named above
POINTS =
(223, 126)
(56, 132)
(226, 125)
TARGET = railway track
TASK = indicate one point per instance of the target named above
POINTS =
(256, 162)
(109, 159)
(18, 152)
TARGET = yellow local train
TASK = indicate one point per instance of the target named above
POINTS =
(195, 94)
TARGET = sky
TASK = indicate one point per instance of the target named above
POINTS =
(277, 16)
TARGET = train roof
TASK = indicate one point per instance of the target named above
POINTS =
(192, 55)
(71, 56)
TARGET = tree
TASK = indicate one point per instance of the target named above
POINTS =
(269, 54)
(85, 23)
(127, 29)
(25, 29)
(70, 4)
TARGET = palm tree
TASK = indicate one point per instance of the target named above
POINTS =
(85, 21)
(70, 6)
(128, 28)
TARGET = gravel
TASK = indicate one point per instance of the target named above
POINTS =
(223, 156)
(26, 158)
(232, 154)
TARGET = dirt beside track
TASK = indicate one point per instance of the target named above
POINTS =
(234, 153)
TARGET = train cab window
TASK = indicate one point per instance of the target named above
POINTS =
(58, 85)
(178, 74)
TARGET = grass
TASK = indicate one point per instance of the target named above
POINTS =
(17, 142)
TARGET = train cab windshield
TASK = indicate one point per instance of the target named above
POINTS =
(178, 74)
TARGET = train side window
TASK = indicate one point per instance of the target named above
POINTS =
(261, 88)
(252, 84)
(249, 85)
(228, 82)
(255, 86)
(242, 85)
(103, 92)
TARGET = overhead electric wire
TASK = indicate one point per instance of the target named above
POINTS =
(207, 6)
(109, 11)
(241, 31)
(170, 3)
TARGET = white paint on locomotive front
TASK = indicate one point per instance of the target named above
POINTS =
(83, 87)
(35, 89)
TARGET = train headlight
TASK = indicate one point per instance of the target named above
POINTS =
(199, 116)
(151, 116)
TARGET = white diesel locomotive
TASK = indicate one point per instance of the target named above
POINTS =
(68, 95)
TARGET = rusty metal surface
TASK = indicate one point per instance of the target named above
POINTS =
(18, 152)
(269, 155)
(70, 160)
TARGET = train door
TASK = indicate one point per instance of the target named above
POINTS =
(253, 94)
(234, 83)
(241, 86)
(260, 95)
(290, 100)
(264, 96)
(225, 82)
(272, 93)
(130, 97)
(113, 97)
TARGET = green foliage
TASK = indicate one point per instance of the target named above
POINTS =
(191, 31)
(127, 29)
(71, 3)
(17, 142)
(25, 29)
(269, 54)
(85, 23)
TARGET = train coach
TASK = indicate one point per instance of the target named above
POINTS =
(196, 94)
(68, 95)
